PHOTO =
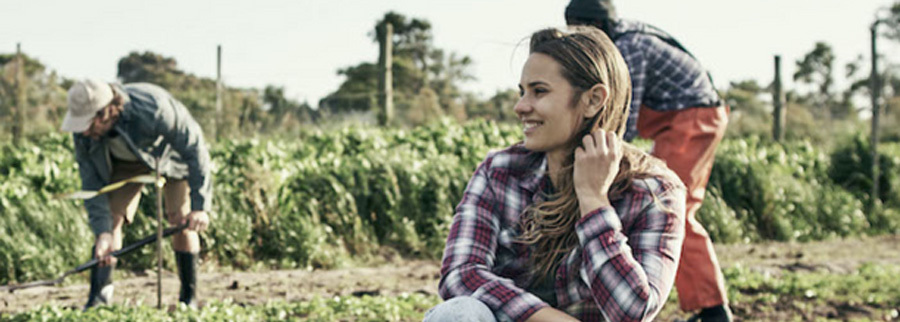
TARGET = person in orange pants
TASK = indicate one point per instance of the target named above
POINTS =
(687, 141)
(675, 104)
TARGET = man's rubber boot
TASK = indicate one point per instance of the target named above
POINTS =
(720, 313)
(101, 286)
(187, 272)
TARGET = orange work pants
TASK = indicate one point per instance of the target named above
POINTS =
(686, 140)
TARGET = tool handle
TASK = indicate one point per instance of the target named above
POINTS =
(93, 262)
(127, 249)
(11, 288)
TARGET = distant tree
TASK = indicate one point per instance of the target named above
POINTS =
(417, 65)
(750, 115)
(498, 107)
(447, 74)
(242, 108)
(358, 90)
(816, 69)
(45, 94)
(283, 112)
(860, 84)
(426, 108)
(151, 68)
(890, 78)
(892, 85)
(745, 96)
(504, 103)
(893, 21)
(412, 44)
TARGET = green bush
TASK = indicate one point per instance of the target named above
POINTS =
(332, 198)
(851, 168)
(721, 222)
(780, 192)
(40, 236)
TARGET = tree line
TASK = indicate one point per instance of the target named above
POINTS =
(427, 83)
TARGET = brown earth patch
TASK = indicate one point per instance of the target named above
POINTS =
(408, 276)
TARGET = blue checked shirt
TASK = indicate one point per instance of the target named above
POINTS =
(622, 270)
(664, 76)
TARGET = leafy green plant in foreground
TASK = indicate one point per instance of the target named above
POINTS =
(335, 198)
(872, 289)
(408, 307)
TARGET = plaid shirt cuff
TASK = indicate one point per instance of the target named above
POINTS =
(597, 222)
(521, 307)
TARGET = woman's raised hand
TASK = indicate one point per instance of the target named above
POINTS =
(596, 166)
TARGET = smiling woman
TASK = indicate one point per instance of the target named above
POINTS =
(572, 222)
(545, 104)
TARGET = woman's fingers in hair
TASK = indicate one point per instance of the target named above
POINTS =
(596, 165)
(612, 140)
(600, 141)
(589, 143)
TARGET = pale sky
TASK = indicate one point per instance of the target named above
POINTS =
(301, 44)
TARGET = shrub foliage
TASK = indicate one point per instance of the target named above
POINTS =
(327, 199)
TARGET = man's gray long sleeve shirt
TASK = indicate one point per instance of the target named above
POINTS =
(151, 120)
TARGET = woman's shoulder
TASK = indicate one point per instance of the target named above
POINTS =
(513, 158)
(661, 181)
(658, 195)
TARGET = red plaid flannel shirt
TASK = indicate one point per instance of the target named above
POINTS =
(623, 269)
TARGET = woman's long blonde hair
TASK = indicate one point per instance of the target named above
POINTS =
(588, 57)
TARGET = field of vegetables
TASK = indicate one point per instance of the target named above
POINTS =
(329, 199)
(851, 279)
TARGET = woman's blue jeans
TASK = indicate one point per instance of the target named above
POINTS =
(462, 308)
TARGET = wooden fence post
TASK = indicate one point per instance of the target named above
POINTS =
(19, 109)
(778, 103)
(385, 79)
(876, 96)
(218, 118)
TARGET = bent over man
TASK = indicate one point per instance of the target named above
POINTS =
(119, 132)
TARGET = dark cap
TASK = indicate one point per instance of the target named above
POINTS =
(591, 10)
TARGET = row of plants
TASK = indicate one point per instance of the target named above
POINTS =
(866, 293)
(406, 307)
(869, 292)
(761, 190)
(316, 201)
(328, 199)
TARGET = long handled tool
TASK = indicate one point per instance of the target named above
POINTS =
(159, 233)
(93, 262)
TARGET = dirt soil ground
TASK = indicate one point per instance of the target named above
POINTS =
(836, 256)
